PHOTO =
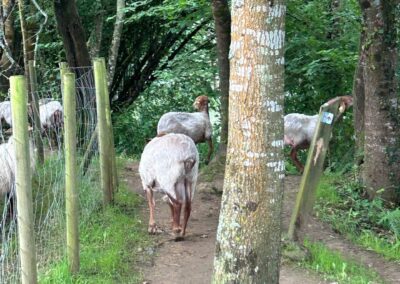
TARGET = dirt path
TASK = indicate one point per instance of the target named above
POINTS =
(191, 261)
(318, 231)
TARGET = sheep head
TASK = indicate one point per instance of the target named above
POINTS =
(201, 103)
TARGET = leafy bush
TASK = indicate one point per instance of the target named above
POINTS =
(341, 202)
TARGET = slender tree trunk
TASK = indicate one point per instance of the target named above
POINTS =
(113, 53)
(94, 42)
(248, 238)
(382, 129)
(7, 45)
(358, 103)
(25, 36)
(222, 19)
(71, 30)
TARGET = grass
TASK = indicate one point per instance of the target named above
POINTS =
(332, 266)
(367, 223)
(111, 242)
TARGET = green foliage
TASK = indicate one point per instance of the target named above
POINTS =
(111, 242)
(341, 202)
(321, 55)
(175, 90)
(335, 268)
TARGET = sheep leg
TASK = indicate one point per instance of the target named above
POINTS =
(210, 150)
(176, 227)
(293, 155)
(152, 229)
(188, 210)
(171, 206)
(188, 205)
(296, 161)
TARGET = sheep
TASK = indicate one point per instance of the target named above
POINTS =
(299, 128)
(5, 112)
(7, 169)
(196, 125)
(169, 164)
(51, 116)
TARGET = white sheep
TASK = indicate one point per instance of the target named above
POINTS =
(300, 128)
(169, 164)
(8, 166)
(51, 117)
(299, 131)
(196, 125)
(50, 114)
(5, 112)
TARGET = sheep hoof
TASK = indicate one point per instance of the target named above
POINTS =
(176, 230)
(154, 230)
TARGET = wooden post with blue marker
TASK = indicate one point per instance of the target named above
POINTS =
(328, 114)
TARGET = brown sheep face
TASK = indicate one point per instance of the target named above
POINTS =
(201, 103)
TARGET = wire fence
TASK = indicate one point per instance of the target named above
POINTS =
(48, 180)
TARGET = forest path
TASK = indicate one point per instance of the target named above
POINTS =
(191, 261)
(318, 231)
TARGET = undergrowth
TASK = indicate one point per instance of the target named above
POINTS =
(341, 202)
(332, 266)
(111, 244)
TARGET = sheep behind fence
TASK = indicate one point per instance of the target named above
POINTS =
(48, 181)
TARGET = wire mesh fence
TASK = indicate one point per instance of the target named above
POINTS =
(48, 180)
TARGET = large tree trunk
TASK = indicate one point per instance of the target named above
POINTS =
(72, 33)
(249, 230)
(382, 129)
(222, 19)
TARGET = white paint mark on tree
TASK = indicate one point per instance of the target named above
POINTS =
(272, 106)
(277, 143)
(246, 128)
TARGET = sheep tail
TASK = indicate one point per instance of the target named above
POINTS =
(189, 164)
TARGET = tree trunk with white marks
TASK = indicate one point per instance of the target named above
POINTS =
(249, 230)
(382, 130)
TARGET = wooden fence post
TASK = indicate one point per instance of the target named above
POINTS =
(314, 166)
(63, 69)
(34, 100)
(114, 174)
(71, 194)
(104, 132)
(23, 184)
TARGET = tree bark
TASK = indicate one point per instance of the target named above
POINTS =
(249, 230)
(358, 103)
(8, 63)
(222, 19)
(382, 129)
(73, 35)
(94, 42)
(113, 53)
(25, 37)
